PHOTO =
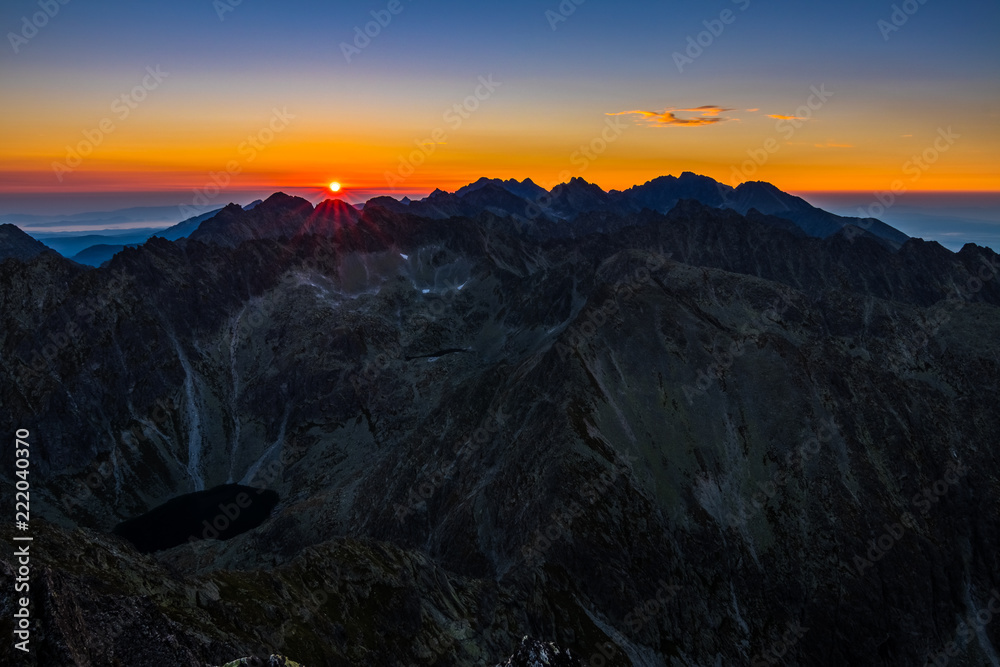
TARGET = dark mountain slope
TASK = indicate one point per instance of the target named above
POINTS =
(478, 435)
(17, 245)
(814, 221)
(279, 216)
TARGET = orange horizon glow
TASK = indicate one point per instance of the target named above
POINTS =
(820, 156)
(162, 151)
(180, 181)
(132, 181)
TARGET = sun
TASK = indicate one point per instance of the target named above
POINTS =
(335, 186)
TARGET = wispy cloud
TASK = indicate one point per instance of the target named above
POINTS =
(782, 117)
(709, 114)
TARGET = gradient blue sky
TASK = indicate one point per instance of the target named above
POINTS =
(354, 121)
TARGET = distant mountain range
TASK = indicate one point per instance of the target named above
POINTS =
(551, 212)
(526, 201)
(566, 211)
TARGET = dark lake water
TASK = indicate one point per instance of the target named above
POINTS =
(220, 513)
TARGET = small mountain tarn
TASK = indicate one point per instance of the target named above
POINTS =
(220, 513)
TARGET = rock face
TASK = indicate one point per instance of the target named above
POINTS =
(682, 438)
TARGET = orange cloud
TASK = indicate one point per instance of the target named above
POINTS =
(781, 117)
(706, 115)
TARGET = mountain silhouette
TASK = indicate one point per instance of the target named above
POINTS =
(15, 244)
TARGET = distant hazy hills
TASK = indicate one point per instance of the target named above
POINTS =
(95, 248)
(97, 254)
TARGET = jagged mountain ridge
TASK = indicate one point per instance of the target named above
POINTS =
(591, 423)
(186, 227)
(557, 213)
(547, 213)
(531, 204)
(280, 216)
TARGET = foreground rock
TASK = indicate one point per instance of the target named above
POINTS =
(533, 653)
(270, 661)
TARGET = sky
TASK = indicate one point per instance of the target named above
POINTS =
(115, 103)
